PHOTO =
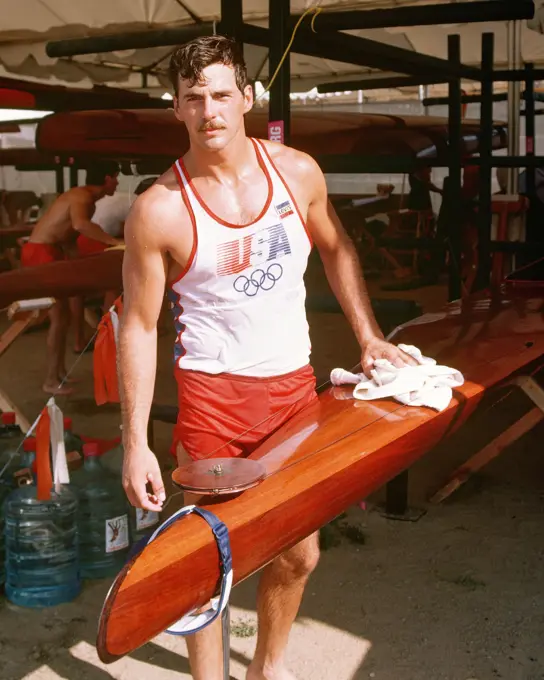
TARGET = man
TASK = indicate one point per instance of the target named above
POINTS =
(110, 214)
(421, 186)
(229, 230)
(52, 237)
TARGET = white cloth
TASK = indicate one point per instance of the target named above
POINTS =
(426, 384)
(111, 212)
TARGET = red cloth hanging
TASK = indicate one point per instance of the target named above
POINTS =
(106, 386)
(43, 464)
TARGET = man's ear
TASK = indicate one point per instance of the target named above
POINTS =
(177, 112)
(248, 98)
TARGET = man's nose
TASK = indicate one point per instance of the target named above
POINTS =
(209, 111)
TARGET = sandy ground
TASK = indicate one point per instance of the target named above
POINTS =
(458, 595)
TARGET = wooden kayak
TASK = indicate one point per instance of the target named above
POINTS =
(77, 276)
(10, 235)
(334, 453)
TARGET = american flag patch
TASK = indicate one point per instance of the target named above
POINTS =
(284, 209)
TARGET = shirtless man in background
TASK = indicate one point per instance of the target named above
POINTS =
(52, 239)
(228, 230)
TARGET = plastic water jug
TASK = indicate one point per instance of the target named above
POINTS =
(41, 546)
(4, 491)
(11, 437)
(142, 522)
(112, 460)
(102, 519)
(73, 445)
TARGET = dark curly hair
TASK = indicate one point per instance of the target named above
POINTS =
(97, 173)
(189, 60)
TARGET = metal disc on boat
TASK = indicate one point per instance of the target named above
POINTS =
(219, 475)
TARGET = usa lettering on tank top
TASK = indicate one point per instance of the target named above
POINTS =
(239, 305)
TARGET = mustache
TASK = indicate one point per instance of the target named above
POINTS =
(208, 127)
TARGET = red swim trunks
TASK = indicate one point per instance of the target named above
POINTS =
(215, 409)
(88, 246)
(34, 254)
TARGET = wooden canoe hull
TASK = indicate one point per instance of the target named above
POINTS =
(144, 133)
(332, 454)
(63, 279)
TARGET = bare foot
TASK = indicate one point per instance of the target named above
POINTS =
(56, 390)
(68, 379)
(269, 674)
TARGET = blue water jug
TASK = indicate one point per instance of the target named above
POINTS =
(11, 438)
(112, 460)
(141, 522)
(4, 492)
(102, 517)
(73, 445)
(41, 546)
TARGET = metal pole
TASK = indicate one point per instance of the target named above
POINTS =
(232, 19)
(486, 149)
(532, 223)
(59, 178)
(423, 93)
(423, 15)
(279, 115)
(225, 637)
(73, 176)
(454, 178)
(514, 62)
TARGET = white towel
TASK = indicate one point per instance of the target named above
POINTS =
(426, 384)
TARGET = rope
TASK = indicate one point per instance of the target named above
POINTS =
(311, 10)
(35, 423)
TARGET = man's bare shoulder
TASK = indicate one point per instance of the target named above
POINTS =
(77, 195)
(156, 212)
(292, 162)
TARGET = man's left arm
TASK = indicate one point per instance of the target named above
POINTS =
(345, 276)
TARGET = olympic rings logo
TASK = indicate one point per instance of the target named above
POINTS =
(259, 280)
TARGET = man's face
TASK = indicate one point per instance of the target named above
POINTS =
(111, 184)
(213, 110)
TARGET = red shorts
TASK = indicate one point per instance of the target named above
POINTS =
(34, 254)
(216, 409)
(88, 246)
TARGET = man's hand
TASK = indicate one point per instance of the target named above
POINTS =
(140, 468)
(377, 348)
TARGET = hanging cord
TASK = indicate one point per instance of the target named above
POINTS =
(60, 386)
(311, 10)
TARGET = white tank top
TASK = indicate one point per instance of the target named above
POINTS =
(239, 305)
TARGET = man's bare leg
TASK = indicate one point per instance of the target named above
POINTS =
(205, 649)
(59, 317)
(78, 320)
(278, 600)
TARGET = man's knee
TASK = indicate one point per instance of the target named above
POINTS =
(301, 560)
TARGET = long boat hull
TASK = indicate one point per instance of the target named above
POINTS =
(332, 454)
(63, 279)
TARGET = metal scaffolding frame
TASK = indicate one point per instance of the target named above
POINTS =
(419, 69)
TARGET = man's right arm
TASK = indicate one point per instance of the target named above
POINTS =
(144, 279)
(80, 215)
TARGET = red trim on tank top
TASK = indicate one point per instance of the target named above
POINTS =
(189, 207)
(263, 212)
(178, 341)
(278, 173)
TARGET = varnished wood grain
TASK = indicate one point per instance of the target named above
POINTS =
(332, 454)
(91, 274)
(144, 133)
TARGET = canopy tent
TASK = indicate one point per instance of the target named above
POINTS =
(28, 26)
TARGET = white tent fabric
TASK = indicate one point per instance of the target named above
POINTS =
(28, 25)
